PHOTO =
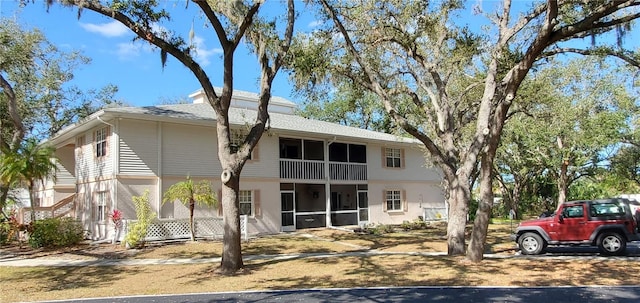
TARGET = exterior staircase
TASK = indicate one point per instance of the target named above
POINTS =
(65, 207)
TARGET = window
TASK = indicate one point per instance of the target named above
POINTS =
(607, 209)
(101, 208)
(101, 142)
(237, 138)
(393, 157)
(575, 211)
(246, 202)
(393, 200)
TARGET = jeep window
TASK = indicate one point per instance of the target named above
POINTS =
(606, 209)
(574, 211)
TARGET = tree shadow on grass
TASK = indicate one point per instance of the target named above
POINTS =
(72, 277)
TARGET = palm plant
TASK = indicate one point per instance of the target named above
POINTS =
(26, 165)
(190, 194)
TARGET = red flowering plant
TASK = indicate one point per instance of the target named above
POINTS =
(116, 218)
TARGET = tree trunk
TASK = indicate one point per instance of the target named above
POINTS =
(231, 249)
(459, 196)
(475, 253)
(4, 194)
(515, 199)
(562, 182)
(33, 202)
(192, 206)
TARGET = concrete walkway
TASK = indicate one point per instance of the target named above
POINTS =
(555, 254)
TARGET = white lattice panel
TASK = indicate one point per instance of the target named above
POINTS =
(167, 229)
(26, 217)
(209, 227)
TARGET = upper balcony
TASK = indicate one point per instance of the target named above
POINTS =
(305, 160)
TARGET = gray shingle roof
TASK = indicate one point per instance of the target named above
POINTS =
(285, 122)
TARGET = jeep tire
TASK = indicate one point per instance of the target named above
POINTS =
(612, 244)
(531, 243)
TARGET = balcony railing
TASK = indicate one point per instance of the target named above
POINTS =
(314, 170)
(348, 171)
(301, 169)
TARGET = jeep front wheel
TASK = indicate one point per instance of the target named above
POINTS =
(531, 244)
(612, 244)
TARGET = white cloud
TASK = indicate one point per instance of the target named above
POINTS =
(315, 23)
(201, 53)
(126, 51)
(111, 29)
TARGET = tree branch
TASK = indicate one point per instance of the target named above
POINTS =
(631, 60)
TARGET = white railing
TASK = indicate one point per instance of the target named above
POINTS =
(301, 169)
(64, 207)
(348, 171)
(435, 214)
(173, 229)
(314, 170)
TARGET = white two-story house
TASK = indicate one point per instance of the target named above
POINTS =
(303, 173)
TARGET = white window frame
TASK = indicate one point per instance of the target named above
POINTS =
(101, 142)
(392, 196)
(393, 154)
(101, 206)
(246, 197)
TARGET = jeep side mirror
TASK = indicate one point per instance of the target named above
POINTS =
(561, 218)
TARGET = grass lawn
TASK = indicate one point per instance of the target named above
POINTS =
(53, 283)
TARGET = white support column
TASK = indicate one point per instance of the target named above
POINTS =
(327, 185)
(159, 176)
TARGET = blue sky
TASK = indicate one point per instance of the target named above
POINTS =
(135, 66)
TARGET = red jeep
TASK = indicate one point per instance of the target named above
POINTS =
(608, 224)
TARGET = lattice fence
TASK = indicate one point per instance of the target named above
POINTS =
(39, 215)
(172, 229)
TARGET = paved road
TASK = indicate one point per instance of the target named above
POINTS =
(405, 294)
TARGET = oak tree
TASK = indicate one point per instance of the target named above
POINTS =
(449, 83)
(232, 22)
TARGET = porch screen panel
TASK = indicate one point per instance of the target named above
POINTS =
(338, 152)
(357, 153)
(290, 148)
(313, 150)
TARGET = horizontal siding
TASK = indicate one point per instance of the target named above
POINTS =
(138, 147)
(415, 166)
(64, 177)
(417, 195)
(189, 150)
(65, 165)
(267, 164)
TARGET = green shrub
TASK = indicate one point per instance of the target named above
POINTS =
(138, 230)
(56, 232)
(413, 225)
(382, 229)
